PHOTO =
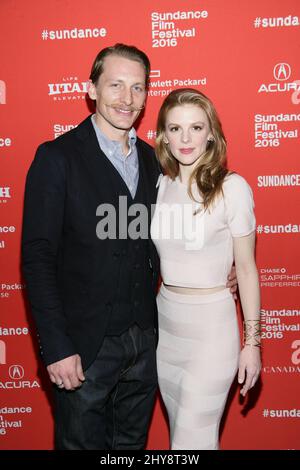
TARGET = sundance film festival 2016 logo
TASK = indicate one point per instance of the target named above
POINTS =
(168, 28)
(276, 323)
(60, 129)
(16, 374)
(5, 229)
(2, 92)
(268, 131)
(281, 73)
(13, 331)
(70, 89)
(8, 417)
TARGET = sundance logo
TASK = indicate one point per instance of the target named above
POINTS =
(266, 181)
(16, 374)
(281, 72)
(288, 228)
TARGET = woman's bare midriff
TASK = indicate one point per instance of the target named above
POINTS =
(192, 290)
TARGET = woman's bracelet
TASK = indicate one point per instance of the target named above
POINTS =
(252, 333)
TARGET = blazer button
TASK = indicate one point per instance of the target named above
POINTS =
(116, 254)
(108, 304)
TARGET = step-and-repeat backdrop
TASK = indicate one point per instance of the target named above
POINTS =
(245, 57)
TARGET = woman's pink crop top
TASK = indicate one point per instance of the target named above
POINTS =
(197, 250)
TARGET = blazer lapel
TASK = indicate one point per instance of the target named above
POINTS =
(95, 159)
(98, 165)
(144, 177)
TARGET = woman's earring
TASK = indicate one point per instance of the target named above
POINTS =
(209, 143)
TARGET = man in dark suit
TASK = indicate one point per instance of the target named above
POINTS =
(93, 297)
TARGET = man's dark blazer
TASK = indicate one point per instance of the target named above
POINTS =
(70, 274)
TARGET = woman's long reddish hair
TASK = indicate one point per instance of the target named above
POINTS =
(211, 170)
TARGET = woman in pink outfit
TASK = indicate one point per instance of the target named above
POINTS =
(203, 221)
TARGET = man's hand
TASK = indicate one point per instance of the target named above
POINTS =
(67, 373)
(232, 282)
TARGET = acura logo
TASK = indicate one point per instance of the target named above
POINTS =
(282, 71)
(16, 372)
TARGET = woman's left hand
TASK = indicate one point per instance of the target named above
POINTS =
(249, 367)
(232, 282)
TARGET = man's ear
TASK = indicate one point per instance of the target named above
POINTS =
(92, 90)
